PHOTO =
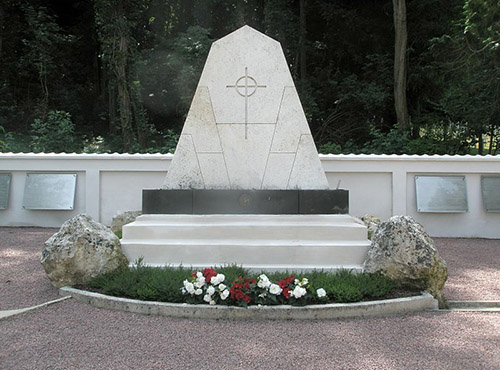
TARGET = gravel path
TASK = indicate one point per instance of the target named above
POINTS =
(473, 268)
(72, 335)
(23, 282)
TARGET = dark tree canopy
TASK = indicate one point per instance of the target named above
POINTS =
(119, 75)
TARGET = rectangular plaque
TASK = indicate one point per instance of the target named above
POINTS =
(237, 201)
(232, 201)
(49, 191)
(4, 190)
(490, 187)
(441, 194)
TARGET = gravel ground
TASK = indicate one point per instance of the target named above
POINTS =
(22, 278)
(72, 335)
(473, 268)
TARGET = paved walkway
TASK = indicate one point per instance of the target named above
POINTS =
(71, 335)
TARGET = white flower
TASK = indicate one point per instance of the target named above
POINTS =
(199, 274)
(212, 302)
(321, 293)
(275, 289)
(189, 287)
(198, 291)
(207, 297)
(263, 282)
(298, 292)
(210, 290)
(222, 287)
(216, 280)
(224, 295)
(183, 290)
(302, 282)
(200, 281)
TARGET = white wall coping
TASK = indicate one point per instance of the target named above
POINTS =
(85, 156)
(323, 157)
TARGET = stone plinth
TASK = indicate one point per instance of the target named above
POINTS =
(162, 201)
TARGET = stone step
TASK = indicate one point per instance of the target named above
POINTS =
(273, 227)
(263, 252)
(235, 218)
(249, 230)
(272, 242)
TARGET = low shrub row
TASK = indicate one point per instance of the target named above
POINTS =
(234, 285)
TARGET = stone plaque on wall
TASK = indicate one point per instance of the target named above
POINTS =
(490, 187)
(49, 191)
(441, 194)
(4, 190)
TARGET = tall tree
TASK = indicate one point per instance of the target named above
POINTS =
(400, 62)
(115, 21)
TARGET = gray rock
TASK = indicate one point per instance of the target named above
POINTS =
(402, 250)
(123, 218)
(80, 250)
(371, 223)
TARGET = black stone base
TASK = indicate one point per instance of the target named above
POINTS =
(198, 202)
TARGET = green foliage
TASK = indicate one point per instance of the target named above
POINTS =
(55, 134)
(164, 284)
(126, 70)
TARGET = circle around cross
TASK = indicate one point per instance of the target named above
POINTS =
(246, 86)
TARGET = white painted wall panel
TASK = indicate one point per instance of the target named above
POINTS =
(381, 185)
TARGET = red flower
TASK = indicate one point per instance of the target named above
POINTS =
(209, 273)
(286, 293)
(239, 290)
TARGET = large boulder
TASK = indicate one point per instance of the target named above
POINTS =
(402, 250)
(123, 218)
(80, 250)
(371, 223)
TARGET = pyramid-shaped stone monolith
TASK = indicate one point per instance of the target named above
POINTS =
(246, 128)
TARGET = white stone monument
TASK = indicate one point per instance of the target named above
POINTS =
(246, 130)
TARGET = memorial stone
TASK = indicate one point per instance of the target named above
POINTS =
(246, 128)
(246, 185)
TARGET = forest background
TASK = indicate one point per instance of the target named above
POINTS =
(374, 76)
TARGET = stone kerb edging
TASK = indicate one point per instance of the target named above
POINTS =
(386, 307)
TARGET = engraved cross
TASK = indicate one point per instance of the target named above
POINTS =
(246, 86)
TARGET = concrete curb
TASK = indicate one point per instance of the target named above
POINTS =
(386, 307)
(8, 313)
(492, 306)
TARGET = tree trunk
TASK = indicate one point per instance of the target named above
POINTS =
(302, 39)
(2, 22)
(120, 56)
(124, 95)
(400, 62)
(480, 144)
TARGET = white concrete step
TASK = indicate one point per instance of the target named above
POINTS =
(242, 252)
(270, 242)
(317, 227)
(249, 230)
(182, 218)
